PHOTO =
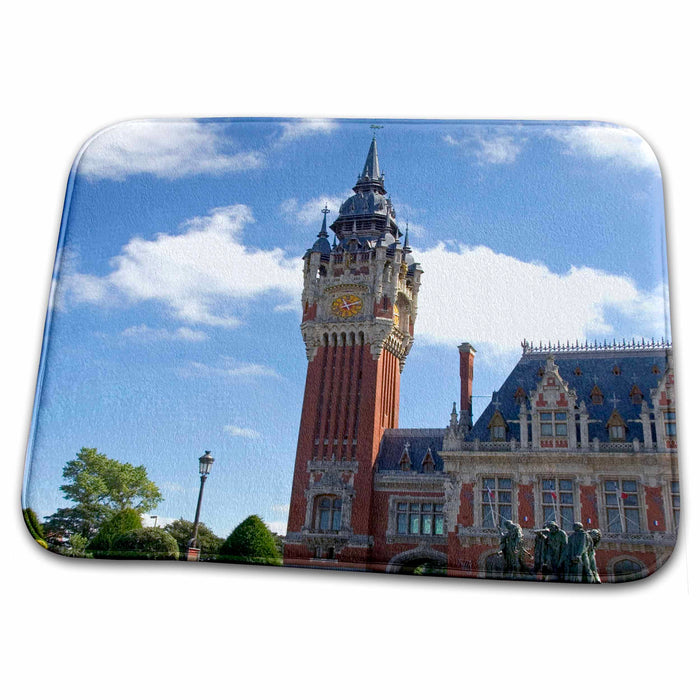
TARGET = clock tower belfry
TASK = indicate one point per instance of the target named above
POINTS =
(359, 308)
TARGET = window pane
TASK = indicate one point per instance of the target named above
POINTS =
(414, 507)
(336, 520)
(506, 513)
(337, 503)
(549, 513)
(566, 485)
(402, 524)
(632, 520)
(546, 429)
(545, 417)
(403, 506)
(560, 416)
(427, 528)
(631, 500)
(487, 517)
(610, 499)
(567, 517)
(548, 497)
(561, 429)
(614, 524)
(325, 519)
(675, 487)
(504, 496)
(504, 484)
(415, 524)
(427, 507)
(439, 525)
(629, 485)
(438, 507)
(325, 503)
(611, 485)
(548, 485)
(567, 498)
(489, 484)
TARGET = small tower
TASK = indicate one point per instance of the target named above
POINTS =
(359, 306)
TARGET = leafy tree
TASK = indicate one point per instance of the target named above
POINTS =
(120, 523)
(34, 526)
(146, 543)
(182, 529)
(77, 545)
(251, 542)
(99, 486)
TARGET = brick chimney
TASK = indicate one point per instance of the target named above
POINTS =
(466, 375)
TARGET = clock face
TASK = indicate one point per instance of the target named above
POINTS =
(346, 305)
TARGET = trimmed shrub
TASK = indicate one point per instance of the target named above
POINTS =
(119, 524)
(252, 543)
(146, 543)
(34, 527)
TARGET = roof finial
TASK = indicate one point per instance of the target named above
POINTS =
(406, 247)
(323, 233)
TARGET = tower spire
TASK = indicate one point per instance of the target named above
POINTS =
(371, 177)
(323, 233)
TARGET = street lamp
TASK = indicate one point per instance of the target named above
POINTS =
(205, 462)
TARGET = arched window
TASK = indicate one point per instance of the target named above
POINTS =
(627, 569)
(328, 512)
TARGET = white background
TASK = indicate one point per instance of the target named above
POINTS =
(79, 629)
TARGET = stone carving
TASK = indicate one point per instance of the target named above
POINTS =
(512, 548)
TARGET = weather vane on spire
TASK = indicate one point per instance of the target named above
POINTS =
(374, 127)
(325, 209)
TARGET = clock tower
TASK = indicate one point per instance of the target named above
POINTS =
(359, 308)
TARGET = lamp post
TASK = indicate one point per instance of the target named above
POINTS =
(205, 462)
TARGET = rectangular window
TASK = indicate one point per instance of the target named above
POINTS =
(676, 503)
(622, 506)
(496, 501)
(419, 519)
(558, 502)
(553, 424)
(670, 423)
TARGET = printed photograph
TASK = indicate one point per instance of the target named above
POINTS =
(437, 348)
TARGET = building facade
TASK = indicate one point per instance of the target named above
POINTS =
(575, 434)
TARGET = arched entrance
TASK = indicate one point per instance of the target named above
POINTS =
(626, 569)
(422, 561)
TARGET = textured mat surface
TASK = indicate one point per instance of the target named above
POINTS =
(421, 347)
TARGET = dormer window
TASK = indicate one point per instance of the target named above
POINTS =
(636, 395)
(497, 426)
(553, 424)
(616, 371)
(428, 463)
(405, 461)
(519, 395)
(617, 428)
(655, 370)
(578, 372)
(596, 396)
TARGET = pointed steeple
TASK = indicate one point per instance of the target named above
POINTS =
(407, 248)
(322, 245)
(371, 177)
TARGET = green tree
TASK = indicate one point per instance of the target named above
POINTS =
(120, 523)
(209, 543)
(77, 544)
(146, 543)
(99, 486)
(251, 542)
(34, 526)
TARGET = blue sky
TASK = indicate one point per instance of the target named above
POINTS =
(175, 306)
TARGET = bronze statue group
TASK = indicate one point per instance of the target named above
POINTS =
(557, 556)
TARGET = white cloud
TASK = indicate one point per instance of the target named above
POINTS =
(495, 300)
(299, 128)
(168, 149)
(152, 520)
(606, 142)
(145, 333)
(194, 273)
(277, 526)
(495, 145)
(310, 213)
(280, 508)
(229, 368)
(237, 431)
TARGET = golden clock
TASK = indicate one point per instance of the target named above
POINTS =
(346, 306)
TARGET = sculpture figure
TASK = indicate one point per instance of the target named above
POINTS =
(576, 561)
(512, 548)
(592, 575)
(554, 552)
(540, 546)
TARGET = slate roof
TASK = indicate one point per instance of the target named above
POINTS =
(419, 440)
(596, 367)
